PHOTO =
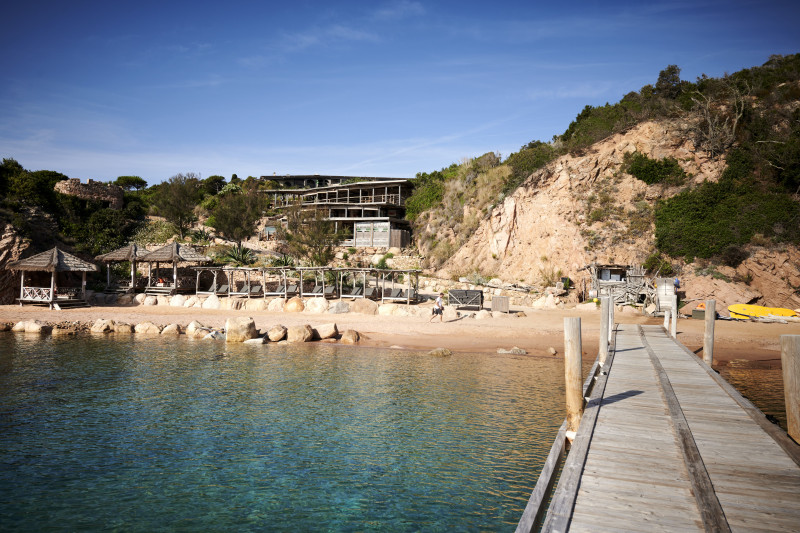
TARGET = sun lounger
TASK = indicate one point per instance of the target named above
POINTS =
(255, 290)
(222, 289)
(317, 289)
(372, 292)
(330, 291)
(352, 292)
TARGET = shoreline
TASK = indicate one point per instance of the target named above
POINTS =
(536, 332)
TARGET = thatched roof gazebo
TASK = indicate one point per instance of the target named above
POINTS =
(133, 253)
(55, 261)
(171, 253)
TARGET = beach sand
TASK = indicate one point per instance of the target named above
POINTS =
(535, 333)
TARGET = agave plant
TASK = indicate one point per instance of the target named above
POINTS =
(238, 255)
(282, 261)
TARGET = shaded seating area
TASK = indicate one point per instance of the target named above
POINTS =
(211, 280)
(62, 289)
(131, 253)
(245, 282)
(174, 253)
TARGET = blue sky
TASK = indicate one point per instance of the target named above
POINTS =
(103, 89)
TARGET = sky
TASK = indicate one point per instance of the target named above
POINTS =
(104, 89)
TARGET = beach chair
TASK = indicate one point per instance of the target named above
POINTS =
(256, 290)
(372, 293)
(352, 292)
(330, 291)
(292, 290)
(317, 289)
(222, 289)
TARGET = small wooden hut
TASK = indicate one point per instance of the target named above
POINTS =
(132, 253)
(171, 253)
(62, 291)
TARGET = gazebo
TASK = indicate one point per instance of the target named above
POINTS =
(171, 253)
(59, 264)
(133, 253)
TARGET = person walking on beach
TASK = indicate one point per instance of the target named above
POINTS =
(438, 308)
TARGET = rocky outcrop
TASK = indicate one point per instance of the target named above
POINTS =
(364, 306)
(11, 248)
(299, 333)
(276, 333)
(350, 336)
(92, 190)
(326, 331)
(294, 305)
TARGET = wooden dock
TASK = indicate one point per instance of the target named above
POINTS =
(666, 444)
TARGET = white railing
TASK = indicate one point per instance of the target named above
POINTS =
(39, 294)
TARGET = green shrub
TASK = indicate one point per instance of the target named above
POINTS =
(651, 171)
(655, 264)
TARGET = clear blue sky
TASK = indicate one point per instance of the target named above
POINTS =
(103, 89)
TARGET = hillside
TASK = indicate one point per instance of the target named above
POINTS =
(714, 200)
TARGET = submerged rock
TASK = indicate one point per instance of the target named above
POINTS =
(440, 352)
(350, 336)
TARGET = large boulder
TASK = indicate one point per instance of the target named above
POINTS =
(239, 329)
(300, 333)
(364, 306)
(171, 329)
(255, 304)
(233, 304)
(440, 352)
(212, 302)
(386, 309)
(150, 300)
(483, 314)
(294, 305)
(449, 313)
(31, 326)
(276, 333)
(179, 300)
(350, 336)
(126, 299)
(256, 340)
(316, 305)
(139, 298)
(162, 300)
(123, 328)
(147, 328)
(192, 301)
(327, 331)
(276, 305)
(339, 307)
(102, 325)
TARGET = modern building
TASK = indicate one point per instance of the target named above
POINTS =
(308, 181)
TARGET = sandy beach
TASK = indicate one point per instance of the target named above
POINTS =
(536, 332)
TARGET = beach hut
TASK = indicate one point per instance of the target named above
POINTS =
(171, 253)
(132, 253)
(62, 291)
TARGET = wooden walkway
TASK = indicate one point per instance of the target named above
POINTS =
(666, 444)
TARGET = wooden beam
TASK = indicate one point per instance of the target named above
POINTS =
(708, 334)
(790, 363)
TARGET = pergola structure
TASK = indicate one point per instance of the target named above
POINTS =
(59, 293)
(133, 253)
(171, 253)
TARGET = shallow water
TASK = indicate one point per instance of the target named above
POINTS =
(181, 435)
(762, 386)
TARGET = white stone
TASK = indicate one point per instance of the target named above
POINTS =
(339, 307)
(316, 305)
(212, 302)
(276, 333)
(171, 329)
(327, 331)
(179, 300)
(257, 340)
(147, 328)
(255, 304)
(151, 300)
(276, 305)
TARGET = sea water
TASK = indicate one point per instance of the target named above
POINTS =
(180, 435)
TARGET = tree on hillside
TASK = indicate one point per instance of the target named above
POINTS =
(212, 184)
(131, 183)
(237, 213)
(176, 200)
(310, 236)
(668, 84)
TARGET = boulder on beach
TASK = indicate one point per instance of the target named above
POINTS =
(212, 302)
(214, 335)
(102, 325)
(515, 350)
(125, 299)
(31, 326)
(256, 340)
(386, 309)
(147, 328)
(316, 305)
(339, 307)
(139, 298)
(327, 331)
(440, 352)
(64, 331)
(150, 300)
(449, 313)
(123, 328)
(171, 329)
(364, 306)
(276, 305)
(483, 314)
(294, 305)
(162, 300)
(193, 326)
(350, 336)
(240, 329)
(191, 301)
(255, 304)
(299, 333)
(179, 300)
(276, 333)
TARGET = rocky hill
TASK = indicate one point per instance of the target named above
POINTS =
(585, 208)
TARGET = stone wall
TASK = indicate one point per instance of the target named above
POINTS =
(92, 190)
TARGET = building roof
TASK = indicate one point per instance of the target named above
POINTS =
(54, 260)
(174, 253)
(131, 252)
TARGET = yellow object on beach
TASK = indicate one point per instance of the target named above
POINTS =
(751, 311)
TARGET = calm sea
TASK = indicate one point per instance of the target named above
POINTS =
(158, 435)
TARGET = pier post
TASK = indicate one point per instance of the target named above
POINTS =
(666, 319)
(605, 319)
(673, 323)
(790, 363)
(611, 310)
(708, 336)
(572, 372)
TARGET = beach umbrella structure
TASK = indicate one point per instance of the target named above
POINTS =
(133, 253)
(171, 253)
(59, 293)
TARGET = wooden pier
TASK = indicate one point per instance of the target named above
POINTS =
(666, 444)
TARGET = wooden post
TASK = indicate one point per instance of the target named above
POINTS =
(673, 323)
(572, 372)
(611, 310)
(605, 318)
(666, 319)
(708, 336)
(790, 362)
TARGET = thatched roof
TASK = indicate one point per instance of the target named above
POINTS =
(174, 252)
(131, 252)
(54, 260)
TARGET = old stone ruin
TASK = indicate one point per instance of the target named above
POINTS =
(92, 190)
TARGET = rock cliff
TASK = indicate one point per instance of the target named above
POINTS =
(11, 248)
(584, 208)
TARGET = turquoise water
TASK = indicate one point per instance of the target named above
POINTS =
(178, 435)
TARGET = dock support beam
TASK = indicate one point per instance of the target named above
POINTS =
(673, 325)
(572, 373)
(605, 320)
(708, 336)
(790, 363)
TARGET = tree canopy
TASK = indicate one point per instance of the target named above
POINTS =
(176, 200)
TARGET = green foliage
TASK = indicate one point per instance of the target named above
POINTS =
(130, 183)
(237, 255)
(655, 264)
(176, 200)
(528, 160)
(705, 221)
(310, 236)
(428, 191)
(282, 261)
(651, 171)
(200, 236)
(237, 213)
(212, 185)
(154, 232)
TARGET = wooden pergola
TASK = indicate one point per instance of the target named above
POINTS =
(171, 253)
(132, 253)
(56, 296)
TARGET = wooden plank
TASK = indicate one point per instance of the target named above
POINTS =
(532, 515)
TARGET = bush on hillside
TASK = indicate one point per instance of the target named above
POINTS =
(651, 171)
